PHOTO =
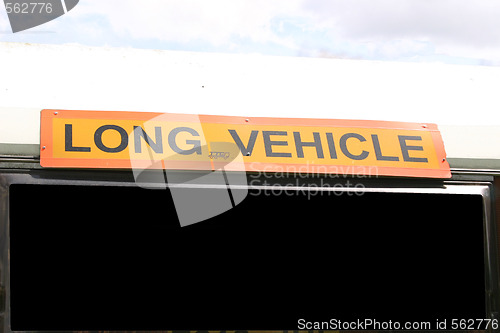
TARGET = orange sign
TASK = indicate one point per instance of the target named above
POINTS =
(125, 140)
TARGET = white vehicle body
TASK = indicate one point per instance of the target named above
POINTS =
(462, 100)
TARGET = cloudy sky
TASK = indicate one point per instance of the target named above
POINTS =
(444, 31)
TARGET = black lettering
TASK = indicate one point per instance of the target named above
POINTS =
(140, 133)
(378, 151)
(245, 151)
(343, 146)
(196, 143)
(331, 145)
(98, 138)
(299, 145)
(405, 148)
(68, 140)
(268, 144)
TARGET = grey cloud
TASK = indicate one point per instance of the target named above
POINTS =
(463, 22)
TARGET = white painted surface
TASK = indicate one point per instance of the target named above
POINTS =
(475, 142)
(463, 100)
(20, 125)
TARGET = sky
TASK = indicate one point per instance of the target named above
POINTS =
(431, 31)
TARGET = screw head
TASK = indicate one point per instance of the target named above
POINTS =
(56, 113)
(43, 148)
(247, 120)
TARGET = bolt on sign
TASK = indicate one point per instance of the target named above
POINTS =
(127, 140)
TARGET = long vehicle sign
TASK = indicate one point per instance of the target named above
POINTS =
(125, 140)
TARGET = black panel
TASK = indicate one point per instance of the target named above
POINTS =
(89, 258)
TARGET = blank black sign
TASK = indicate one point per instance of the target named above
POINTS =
(115, 258)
